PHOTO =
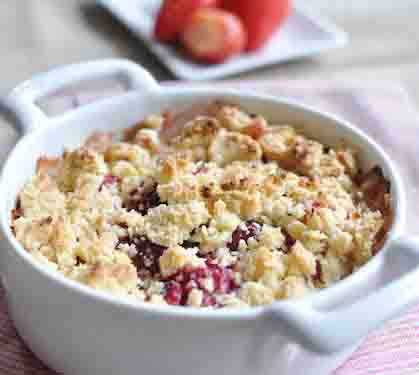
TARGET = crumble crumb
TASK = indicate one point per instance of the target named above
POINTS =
(232, 211)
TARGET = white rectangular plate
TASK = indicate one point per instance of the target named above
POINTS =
(304, 34)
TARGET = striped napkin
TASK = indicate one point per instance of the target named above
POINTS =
(384, 112)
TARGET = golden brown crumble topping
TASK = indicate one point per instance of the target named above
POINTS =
(225, 210)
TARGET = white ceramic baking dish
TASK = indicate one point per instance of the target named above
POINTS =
(79, 331)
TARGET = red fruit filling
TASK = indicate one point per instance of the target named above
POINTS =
(142, 199)
(174, 293)
(190, 244)
(147, 257)
(318, 276)
(18, 211)
(109, 180)
(289, 242)
(243, 232)
(210, 279)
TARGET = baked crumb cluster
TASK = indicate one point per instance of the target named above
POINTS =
(227, 210)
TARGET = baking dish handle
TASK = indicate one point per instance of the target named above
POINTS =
(21, 102)
(328, 331)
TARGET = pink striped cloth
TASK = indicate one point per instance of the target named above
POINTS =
(384, 112)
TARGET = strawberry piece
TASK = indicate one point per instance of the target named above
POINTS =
(260, 17)
(213, 35)
(173, 16)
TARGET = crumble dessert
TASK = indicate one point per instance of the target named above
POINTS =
(227, 210)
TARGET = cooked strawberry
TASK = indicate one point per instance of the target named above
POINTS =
(214, 35)
(173, 16)
(260, 17)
